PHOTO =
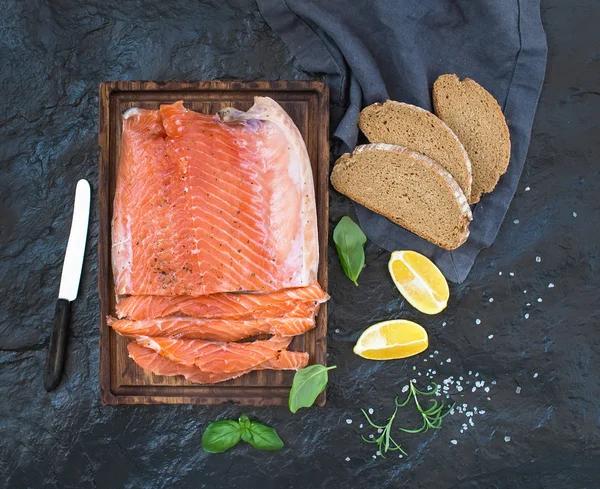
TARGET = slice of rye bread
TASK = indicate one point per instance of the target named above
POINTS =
(419, 130)
(408, 188)
(476, 118)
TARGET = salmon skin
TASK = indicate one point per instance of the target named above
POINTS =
(294, 302)
(213, 203)
(223, 330)
(211, 356)
(151, 361)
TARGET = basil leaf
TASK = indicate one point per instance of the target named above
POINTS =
(349, 242)
(244, 423)
(221, 436)
(308, 383)
(263, 437)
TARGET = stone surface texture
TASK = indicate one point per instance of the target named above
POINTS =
(55, 54)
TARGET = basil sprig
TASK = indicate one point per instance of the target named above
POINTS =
(220, 436)
(308, 383)
(349, 242)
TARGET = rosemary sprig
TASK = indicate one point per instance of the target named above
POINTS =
(384, 441)
(432, 417)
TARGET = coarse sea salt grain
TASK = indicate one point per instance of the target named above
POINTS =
(444, 324)
(539, 299)
(478, 321)
(535, 375)
(360, 425)
(516, 221)
(527, 189)
(481, 412)
(490, 336)
(538, 259)
(349, 421)
(378, 453)
(448, 360)
(337, 330)
(507, 439)
(371, 435)
(371, 411)
(405, 388)
(499, 273)
(454, 442)
(487, 389)
(512, 274)
(473, 389)
(491, 299)
(574, 214)
(550, 285)
(526, 316)
(347, 459)
(518, 390)
(379, 430)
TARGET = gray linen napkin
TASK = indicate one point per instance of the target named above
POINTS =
(373, 50)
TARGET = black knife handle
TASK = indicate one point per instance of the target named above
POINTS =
(58, 344)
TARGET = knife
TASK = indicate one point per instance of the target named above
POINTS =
(69, 284)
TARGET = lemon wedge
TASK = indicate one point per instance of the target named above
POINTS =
(389, 340)
(419, 281)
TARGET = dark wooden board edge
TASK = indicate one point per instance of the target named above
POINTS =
(107, 397)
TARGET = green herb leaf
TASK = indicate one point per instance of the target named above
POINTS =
(308, 383)
(244, 422)
(350, 241)
(220, 436)
(262, 437)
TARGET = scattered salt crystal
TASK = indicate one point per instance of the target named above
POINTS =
(499, 273)
(461, 431)
(347, 459)
(460, 378)
(476, 374)
(454, 442)
(405, 388)
(360, 425)
(470, 372)
(474, 409)
(424, 359)
(435, 352)
(448, 360)
(481, 412)
(487, 389)
(433, 372)
(535, 375)
(414, 381)
(490, 336)
(471, 422)
(526, 316)
(491, 299)
(379, 430)
(518, 390)
(473, 389)
(371, 411)
(516, 221)
(493, 382)
(527, 189)
(430, 356)
(574, 214)
(414, 367)
(400, 456)
(489, 399)
(512, 274)
(539, 299)
(528, 304)
(442, 362)
(444, 324)
(428, 387)
(525, 292)
(478, 321)
(479, 383)
(371, 435)
(419, 374)
(550, 285)
(349, 421)
(337, 330)
(374, 456)
(538, 259)
(507, 439)
(459, 388)
(378, 453)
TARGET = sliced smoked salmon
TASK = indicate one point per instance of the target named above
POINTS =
(208, 204)
(294, 302)
(211, 356)
(149, 360)
(223, 330)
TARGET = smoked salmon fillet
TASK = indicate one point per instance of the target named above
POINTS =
(213, 203)
(223, 330)
(211, 356)
(153, 362)
(294, 302)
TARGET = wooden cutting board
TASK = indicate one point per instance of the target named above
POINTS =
(307, 102)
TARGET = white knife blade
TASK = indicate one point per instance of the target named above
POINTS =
(73, 264)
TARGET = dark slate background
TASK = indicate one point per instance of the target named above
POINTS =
(54, 55)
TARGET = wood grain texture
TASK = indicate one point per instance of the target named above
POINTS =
(307, 103)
